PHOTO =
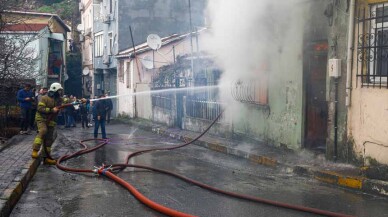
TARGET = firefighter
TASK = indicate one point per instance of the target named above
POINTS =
(46, 121)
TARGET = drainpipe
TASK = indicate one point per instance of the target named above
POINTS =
(336, 120)
(350, 53)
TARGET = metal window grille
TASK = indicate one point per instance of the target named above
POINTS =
(161, 101)
(208, 110)
(251, 92)
(372, 46)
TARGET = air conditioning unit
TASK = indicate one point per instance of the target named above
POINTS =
(81, 6)
(88, 31)
(106, 60)
(106, 18)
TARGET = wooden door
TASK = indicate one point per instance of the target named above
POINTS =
(316, 105)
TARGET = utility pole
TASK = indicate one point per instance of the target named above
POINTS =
(191, 45)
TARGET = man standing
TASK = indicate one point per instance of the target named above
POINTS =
(83, 107)
(109, 107)
(25, 98)
(46, 121)
(99, 119)
(42, 92)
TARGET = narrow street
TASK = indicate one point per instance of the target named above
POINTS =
(53, 192)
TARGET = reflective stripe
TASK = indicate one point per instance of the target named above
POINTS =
(52, 124)
(38, 141)
(48, 109)
(41, 104)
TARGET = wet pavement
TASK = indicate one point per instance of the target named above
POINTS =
(53, 192)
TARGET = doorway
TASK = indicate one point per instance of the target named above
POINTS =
(316, 110)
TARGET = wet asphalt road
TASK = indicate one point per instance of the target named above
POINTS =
(53, 192)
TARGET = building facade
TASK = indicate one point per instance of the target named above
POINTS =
(47, 35)
(110, 21)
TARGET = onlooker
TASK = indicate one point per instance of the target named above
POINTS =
(83, 108)
(69, 111)
(109, 107)
(34, 106)
(25, 98)
(42, 92)
(100, 115)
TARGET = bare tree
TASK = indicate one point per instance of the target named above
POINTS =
(17, 56)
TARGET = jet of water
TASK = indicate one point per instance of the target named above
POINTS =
(170, 90)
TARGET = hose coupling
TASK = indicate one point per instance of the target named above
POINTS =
(102, 169)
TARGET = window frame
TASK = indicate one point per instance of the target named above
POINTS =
(99, 44)
(375, 27)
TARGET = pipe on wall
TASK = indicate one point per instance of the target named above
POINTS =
(350, 53)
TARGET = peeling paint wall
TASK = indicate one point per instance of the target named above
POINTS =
(368, 114)
(281, 122)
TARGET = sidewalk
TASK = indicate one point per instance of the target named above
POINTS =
(18, 168)
(303, 163)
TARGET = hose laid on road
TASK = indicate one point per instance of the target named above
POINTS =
(109, 172)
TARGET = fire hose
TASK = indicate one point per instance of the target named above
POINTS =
(109, 171)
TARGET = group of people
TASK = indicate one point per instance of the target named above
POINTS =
(28, 99)
(48, 103)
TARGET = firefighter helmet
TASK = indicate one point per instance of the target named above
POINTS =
(55, 87)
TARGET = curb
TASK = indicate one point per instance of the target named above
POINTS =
(13, 193)
(363, 184)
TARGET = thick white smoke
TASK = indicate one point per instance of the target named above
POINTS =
(246, 35)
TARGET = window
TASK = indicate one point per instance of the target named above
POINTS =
(372, 46)
(128, 70)
(120, 66)
(98, 45)
(254, 90)
(110, 43)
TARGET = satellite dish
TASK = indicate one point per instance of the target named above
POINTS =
(147, 62)
(80, 27)
(85, 71)
(154, 41)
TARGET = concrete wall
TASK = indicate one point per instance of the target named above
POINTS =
(125, 89)
(163, 116)
(279, 123)
(368, 117)
(337, 37)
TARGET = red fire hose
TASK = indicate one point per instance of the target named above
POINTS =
(109, 172)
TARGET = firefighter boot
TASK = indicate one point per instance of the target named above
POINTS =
(49, 161)
(35, 154)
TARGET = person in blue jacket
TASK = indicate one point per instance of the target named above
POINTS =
(25, 98)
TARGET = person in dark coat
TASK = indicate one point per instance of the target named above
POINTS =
(99, 116)
(83, 108)
(25, 98)
(109, 107)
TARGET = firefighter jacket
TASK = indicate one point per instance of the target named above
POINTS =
(45, 111)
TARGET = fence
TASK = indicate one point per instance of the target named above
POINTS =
(208, 110)
(9, 118)
(160, 101)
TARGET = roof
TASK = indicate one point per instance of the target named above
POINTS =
(141, 48)
(55, 16)
(25, 27)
